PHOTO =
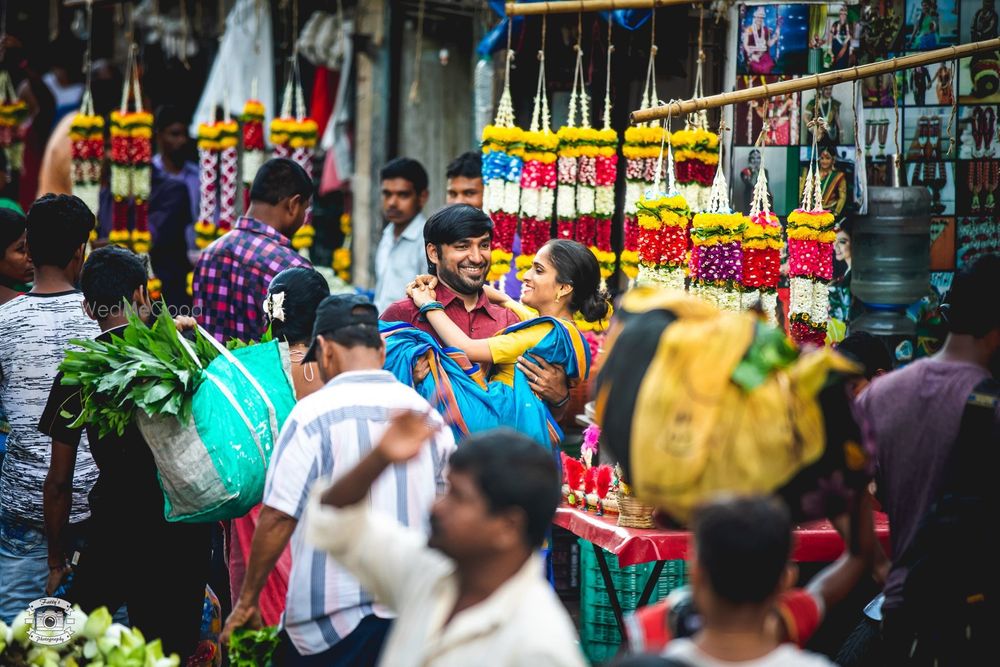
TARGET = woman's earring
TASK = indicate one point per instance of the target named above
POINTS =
(558, 296)
(307, 372)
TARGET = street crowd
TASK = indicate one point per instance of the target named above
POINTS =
(384, 536)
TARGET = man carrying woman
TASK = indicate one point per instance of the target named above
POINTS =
(457, 240)
(563, 280)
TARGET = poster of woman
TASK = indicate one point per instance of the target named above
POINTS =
(781, 113)
(930, 24)
(773, 39)
(834, 37)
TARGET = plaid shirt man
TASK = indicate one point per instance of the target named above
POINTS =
(232, 277)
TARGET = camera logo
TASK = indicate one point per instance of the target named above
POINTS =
(51, 621)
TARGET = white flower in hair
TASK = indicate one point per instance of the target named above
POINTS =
(274, 306)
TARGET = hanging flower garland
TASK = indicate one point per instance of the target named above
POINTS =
(228, 140)
(575, 163)
(538, 177)
(717, 253)
(132, 171)
(502, 165)
(663, 219)
(342, 255)
(642, 151)
(696, 151)
(294, 136)
(596, 232)
(253, 144)
(86, 134)
(131, 155)
(209, 151)
(762, 245)
(13, 112)
(567, 163)
(810, 257)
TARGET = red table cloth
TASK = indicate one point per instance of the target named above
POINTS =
(817, 541)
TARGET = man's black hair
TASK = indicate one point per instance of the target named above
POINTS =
(278, 179)
(513, 472)
(58, 225)
(111, 275)
(868, 350)
(466, 165)
(974, 301)
(356, 335)
(169, 114)
(454, 223)
(408, 169)
(743, 546)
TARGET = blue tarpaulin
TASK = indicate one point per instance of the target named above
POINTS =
(495, 39)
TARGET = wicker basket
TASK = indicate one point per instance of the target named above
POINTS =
(634, 514)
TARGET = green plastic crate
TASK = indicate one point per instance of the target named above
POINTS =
(599, 635)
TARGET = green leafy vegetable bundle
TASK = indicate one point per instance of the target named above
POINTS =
(146, 367)
(253, 648)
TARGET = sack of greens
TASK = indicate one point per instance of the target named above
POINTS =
(211, 416)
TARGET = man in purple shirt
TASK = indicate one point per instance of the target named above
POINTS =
(171, 151)
(915, 413)
(457, 240)
(232, 275)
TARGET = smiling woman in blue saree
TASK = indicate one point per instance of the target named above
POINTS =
(564, 279)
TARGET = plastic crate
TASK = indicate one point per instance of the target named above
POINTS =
(599, 652)
(599, 635)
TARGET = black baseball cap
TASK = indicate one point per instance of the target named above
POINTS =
(336, 312)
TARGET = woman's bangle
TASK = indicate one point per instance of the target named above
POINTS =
(428, 307)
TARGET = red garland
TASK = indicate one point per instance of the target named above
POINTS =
(534, 234)
(603, 239)
(695, 171)
(761, 268)
(631, 233)
(586, 230)
(804, 334)
(565, 228)
(810, 259)
(504, 227)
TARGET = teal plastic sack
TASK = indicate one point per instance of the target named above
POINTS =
(214, 468)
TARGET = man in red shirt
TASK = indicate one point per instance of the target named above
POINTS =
(458, 239)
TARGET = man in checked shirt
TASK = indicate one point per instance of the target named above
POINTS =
(232, 275)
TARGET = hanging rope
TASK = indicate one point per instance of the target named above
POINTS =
(540, 112)
(896, 130)
(760, 202)
(574, 93)
(719, 196)
(649, 95)
(415, 86)
(607, 84)
(701, 118)
(87, 102)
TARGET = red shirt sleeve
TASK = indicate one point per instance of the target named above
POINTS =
(401, 311)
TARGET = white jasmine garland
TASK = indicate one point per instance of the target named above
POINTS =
(585, 199)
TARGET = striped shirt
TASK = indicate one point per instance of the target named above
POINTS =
(35, 330)
(232, 276)
(326, 435)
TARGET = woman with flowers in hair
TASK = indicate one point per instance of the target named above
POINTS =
(290, 307)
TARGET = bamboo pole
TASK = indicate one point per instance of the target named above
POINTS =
(678, 109)
(576, 6)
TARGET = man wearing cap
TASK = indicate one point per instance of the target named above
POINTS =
(329, 618)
